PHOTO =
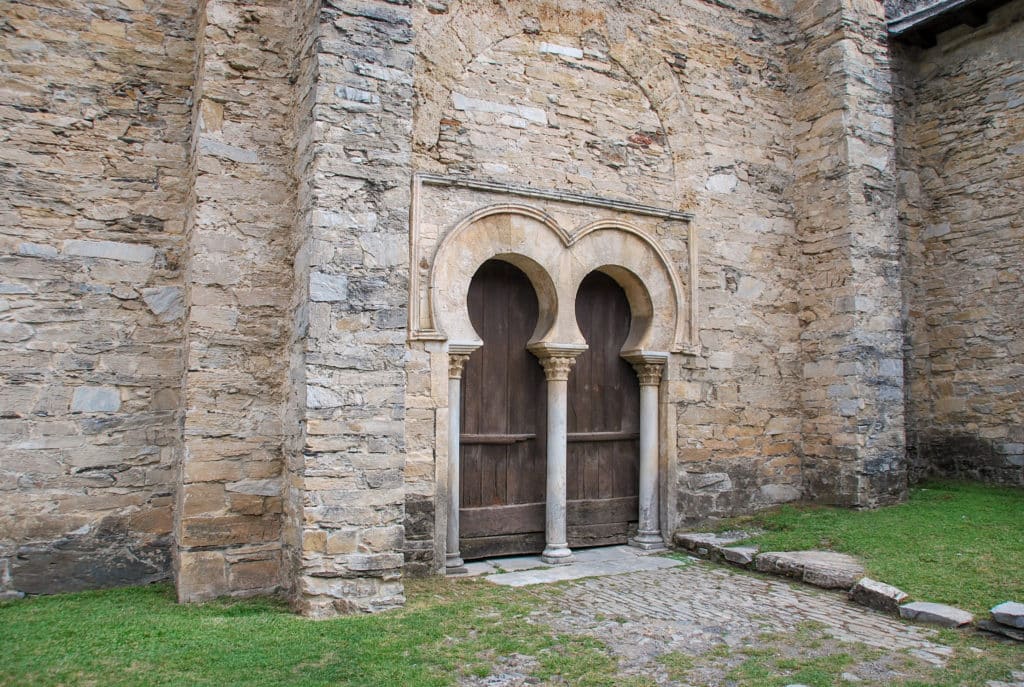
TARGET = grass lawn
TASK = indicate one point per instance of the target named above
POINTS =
(140, 636)
(952, 542)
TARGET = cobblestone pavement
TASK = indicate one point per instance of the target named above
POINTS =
(699, 603)
(721, 616)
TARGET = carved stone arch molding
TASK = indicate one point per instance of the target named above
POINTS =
(557, 241)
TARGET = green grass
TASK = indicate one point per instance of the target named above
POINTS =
(952, 542)
(139, 636)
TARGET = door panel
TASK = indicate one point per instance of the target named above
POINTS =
(504, 412)
(604, 421)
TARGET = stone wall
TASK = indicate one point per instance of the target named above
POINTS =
(94, 127)
(962, 209)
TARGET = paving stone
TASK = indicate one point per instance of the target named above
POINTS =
(936, 614)
(1009, 613)
(826, 569)
(878, 595)
(613, 561)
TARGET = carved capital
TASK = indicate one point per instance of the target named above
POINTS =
(557, 367)
(456, 364)
(649, 373)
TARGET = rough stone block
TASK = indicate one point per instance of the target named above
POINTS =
(201, 575)
(877, 595)
(739, 555)
(111, 250)
(95, 399)
(1003, 630)
(328, 288)
(826, 569)
(703, 543)
(936, 614)
(1009, 613)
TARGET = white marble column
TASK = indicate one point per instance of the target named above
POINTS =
(556, 370)
(649, 370)
(453, 563)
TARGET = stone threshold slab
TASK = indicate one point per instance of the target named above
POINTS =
(611, 560)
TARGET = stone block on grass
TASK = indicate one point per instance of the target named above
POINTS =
(936, 614)
(878, 595)
(825, 569)
(1009, 613)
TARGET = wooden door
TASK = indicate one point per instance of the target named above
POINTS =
(503, 463)
(604, 421)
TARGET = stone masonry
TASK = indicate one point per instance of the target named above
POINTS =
(213, 228)
(962, 214)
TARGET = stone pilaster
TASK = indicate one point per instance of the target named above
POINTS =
(238, 289)
(853, 437)
(349, 481)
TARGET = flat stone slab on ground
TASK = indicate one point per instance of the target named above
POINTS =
(1000, 629)
(1009, 613)
(704, 542)
(878, 595)
(937, 614)
(826, 569)
(612, 560)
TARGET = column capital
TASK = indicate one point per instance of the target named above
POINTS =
(456, 364)
(557, 367)
(556, 358)
(649, 373)
(649, 366)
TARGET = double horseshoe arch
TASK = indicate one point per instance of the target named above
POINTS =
(556, 262)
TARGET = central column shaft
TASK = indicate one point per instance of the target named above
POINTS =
(556, 549)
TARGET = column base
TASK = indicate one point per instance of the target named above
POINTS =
(648, 541)
(454, 565)
(558, 555)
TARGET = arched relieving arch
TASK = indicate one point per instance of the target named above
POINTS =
(471, 29)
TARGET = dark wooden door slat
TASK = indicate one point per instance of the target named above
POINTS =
(576, 437)
(495, 438)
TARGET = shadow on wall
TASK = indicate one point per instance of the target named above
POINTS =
(966, 456)
(102, 555)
